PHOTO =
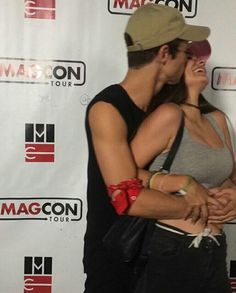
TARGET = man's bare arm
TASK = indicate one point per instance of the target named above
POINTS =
(115, 159)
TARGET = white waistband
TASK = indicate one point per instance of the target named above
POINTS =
(197, 237)
(170, 229)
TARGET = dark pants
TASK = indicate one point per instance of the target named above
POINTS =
(173, 267)
(106, 275)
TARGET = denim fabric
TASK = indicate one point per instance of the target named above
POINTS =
(104, 275)
(173, 267)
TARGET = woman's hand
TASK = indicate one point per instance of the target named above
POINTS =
(227, 196)
(198, 200)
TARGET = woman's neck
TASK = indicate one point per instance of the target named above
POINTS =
(192, 110)
(194, 106)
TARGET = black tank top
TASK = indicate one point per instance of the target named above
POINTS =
(101, 214)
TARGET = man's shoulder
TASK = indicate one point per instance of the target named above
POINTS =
(108, 94)
(106, 105)
(115, 97)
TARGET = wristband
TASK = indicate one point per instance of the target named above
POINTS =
(161, 183)
(150, 182)
(183, 190)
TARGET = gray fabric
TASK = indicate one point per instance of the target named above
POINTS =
(207, 165)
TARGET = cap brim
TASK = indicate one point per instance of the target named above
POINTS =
(195, 33)
(200, 49)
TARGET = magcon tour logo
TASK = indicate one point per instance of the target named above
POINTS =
(56, 73)
(40, 9)
(39, 143)
(50, 209)
(232, 275)
(38, 274)
(224, 79)
(187, 7)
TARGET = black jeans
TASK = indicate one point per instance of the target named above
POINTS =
(104, 275)
(173, 267)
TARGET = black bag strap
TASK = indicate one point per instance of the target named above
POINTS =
(174, 148)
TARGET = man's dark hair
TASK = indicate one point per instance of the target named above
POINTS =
(138, 59)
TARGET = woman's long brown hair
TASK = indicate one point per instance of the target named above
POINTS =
(178, 94)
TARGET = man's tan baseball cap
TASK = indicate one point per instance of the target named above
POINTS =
(153, 25)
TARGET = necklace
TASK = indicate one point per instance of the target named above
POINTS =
(191, 105)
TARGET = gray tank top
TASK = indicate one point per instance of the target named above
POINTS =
(208, 166)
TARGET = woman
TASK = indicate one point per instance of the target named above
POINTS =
(186, 256)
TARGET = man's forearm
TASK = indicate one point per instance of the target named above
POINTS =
(157, 205)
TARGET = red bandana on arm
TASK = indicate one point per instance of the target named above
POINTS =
(127, 193)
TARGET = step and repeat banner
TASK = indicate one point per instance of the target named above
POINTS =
(55, 55)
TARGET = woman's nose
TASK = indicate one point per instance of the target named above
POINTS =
(201, 61)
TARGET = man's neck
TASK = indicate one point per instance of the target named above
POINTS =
(141, 85)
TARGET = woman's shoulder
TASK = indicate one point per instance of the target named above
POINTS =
(220, 118)
(167, 113)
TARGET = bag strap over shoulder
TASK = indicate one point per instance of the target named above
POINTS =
(174, 148)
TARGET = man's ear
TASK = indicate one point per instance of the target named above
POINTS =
(163, 54)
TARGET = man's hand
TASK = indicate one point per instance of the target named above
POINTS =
(198, 202)
(227, 196)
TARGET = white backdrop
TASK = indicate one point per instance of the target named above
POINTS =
(55, 55)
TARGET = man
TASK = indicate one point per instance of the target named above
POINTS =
(157, 38)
